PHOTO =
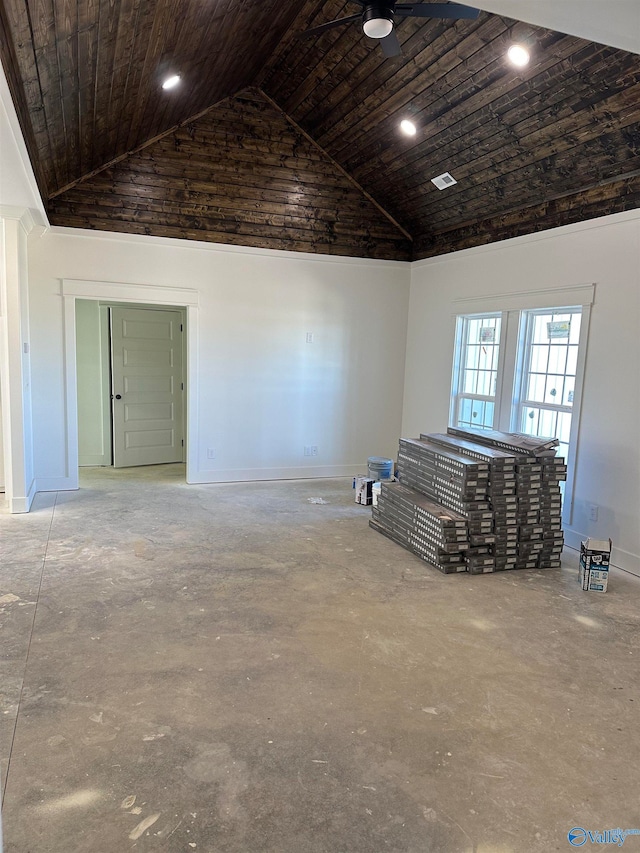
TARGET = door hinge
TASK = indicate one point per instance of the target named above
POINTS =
(182, 386)
(182, 442)
(180, 326)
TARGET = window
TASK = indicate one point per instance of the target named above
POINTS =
(473, 401)
(549, 355)
(521, 371)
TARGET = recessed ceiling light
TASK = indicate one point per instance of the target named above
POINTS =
(172, 81)
(408, 127)
(518, 55)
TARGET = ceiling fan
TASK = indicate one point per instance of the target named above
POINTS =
(378, 19)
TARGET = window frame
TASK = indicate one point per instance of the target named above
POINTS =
(515, 342)
(457, 379)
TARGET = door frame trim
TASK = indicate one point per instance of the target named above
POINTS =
(104, 291)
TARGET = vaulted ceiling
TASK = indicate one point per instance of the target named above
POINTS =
(284, 142)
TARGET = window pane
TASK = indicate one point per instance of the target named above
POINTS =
(539, 358)
(469, 383)
(569, 387)
(553, 392)
(530, 418)
(465, 410)
(540, 335)
(471, 359)
(485, 384)
(564, 426)
(472, 330)
(488, 415)
(477, 412)
(572, 360)
(539, 421)
(535, 392)
(547, 424)
(485, 357)
(488, 331)
(557, 358)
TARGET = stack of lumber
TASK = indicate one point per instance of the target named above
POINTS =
(502, 490)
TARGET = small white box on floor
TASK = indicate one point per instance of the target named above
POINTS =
(595, 555)
(364, 490)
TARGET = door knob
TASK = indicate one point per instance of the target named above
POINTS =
(118, 396)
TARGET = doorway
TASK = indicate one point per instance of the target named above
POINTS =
(130, 295)
(130, 384)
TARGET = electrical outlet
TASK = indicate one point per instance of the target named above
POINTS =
(593, 512)
(211, 453)
(307, 450)
(309, 337)
(314, 450)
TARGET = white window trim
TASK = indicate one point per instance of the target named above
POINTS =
(526, 300)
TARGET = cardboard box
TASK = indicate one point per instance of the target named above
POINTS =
(595, 555)
(364, 490)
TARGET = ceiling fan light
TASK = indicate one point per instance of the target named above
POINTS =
(377, 28)
(377, 19)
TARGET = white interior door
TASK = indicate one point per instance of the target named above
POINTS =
(146, 359)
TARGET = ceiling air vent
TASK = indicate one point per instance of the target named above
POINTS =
(444, 181)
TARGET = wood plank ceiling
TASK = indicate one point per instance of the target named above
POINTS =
(276, 141)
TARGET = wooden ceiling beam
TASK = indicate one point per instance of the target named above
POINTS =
(346, 174)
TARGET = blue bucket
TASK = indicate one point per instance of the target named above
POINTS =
(380, 468)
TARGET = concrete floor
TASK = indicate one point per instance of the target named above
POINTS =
(249, 668)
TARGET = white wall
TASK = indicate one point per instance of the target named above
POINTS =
(17, 182)
(263, 392)
(21, 210)
(1, 448)
(605, 251)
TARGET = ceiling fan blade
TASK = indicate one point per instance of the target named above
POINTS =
(454, 11)
(330, 25)
(390, 45)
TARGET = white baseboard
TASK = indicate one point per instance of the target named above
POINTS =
(624, 560)
(22, 503)
(247, 475)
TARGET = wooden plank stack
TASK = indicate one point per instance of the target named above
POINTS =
(433, 532)
(504, 486)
